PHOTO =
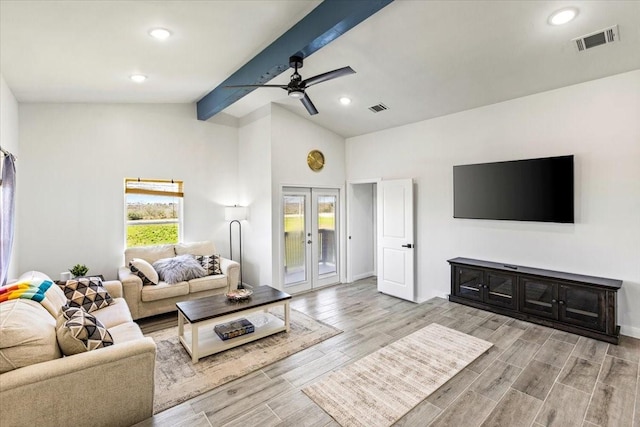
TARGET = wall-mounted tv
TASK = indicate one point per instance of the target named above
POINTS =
(520, 190)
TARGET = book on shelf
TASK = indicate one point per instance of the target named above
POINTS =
(233, 329)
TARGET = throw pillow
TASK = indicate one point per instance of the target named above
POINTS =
(145, 271)
(87, 293)
(211, 263)
(179, 269)
(79, 331)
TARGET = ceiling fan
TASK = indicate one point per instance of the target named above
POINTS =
(296, 87)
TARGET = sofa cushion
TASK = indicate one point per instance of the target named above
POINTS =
(129, 331)
(179, 269)
(114, 314)
(148, 253)
(145, 271)
(163, 290)
(79, 331)
(211, 263)
(86, 292)
(34, 275)
(196, 248)
(27, 334)
(207, 283)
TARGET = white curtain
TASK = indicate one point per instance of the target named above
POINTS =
(7, 208)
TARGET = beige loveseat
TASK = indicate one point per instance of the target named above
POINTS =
(110, 386)
(149, 300)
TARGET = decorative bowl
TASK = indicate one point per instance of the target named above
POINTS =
(239, 294)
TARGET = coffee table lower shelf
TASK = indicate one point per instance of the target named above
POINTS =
(207, 342)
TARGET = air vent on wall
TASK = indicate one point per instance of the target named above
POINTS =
(606, 36)
(379, 107)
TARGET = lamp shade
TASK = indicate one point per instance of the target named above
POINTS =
(235, 213)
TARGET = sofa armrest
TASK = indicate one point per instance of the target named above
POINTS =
(231, 269)
(114, 287)
(121, 375)
(131, 290)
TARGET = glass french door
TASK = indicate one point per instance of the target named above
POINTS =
(310, 224)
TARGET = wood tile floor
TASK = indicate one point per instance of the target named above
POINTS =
(533, 376)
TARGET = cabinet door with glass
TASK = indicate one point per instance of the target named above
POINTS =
(582, 306)
(539, 297)
(500, 289)
(469, 283)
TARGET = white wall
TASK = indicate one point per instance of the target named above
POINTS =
(74, 158)
(292, 137)
(9, 141)
(597, 121)
(254, 191)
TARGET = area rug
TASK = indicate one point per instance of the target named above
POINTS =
(177, 379)
(380, 388)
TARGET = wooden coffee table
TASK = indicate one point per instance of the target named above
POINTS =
(204, 313)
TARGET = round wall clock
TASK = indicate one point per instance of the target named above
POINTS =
(315, 160)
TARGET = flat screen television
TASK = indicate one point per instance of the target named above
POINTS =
(520, 190)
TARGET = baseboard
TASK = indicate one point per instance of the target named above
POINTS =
(363, 275)
(630, 331)
(421, 299)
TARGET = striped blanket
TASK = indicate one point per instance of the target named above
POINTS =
(33, 290)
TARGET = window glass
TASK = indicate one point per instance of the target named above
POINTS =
(153, 210)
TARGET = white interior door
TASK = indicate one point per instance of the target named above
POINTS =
(311, 238)
(395, 238)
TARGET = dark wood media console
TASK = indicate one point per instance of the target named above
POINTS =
(583, 305)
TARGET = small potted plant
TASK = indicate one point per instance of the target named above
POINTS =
(79, 270)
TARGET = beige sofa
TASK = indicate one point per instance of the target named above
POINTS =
(149, 300)
(110, 386)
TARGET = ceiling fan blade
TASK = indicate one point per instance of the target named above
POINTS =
(306, 101)
(235, 86)
(345, 71)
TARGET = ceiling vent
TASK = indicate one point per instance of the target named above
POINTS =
(379, 107)
(606, 36)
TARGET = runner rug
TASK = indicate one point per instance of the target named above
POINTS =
(380, 388)
(177, 379)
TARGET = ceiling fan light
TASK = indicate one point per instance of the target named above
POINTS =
(297, 94)
(563, 16)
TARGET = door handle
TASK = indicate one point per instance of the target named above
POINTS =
(408, 245)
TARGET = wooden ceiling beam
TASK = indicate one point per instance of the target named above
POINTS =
(321, 26)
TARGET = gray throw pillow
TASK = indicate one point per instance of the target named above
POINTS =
(179, 269)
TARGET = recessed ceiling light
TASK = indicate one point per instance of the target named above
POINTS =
(345, 101)
(138, 78)
(563, 16)
(160, 33)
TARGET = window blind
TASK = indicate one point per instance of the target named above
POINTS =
(154, 187)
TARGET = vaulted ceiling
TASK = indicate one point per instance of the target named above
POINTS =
(422, 59)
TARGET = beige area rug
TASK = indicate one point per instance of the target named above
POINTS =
(177, 379)
(380, 388)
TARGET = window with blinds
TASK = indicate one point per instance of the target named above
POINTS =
(153, 210)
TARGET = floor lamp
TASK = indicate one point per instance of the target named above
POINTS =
(236, 214)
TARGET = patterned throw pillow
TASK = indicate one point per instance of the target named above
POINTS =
(145, 271)
(79, 331)
(86, 292)
(211, 263)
